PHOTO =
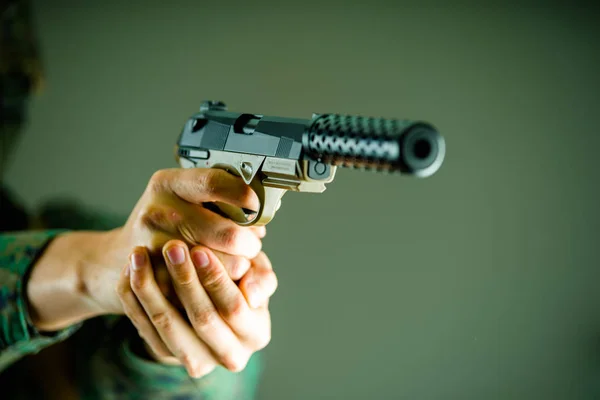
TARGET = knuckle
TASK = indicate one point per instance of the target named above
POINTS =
(211, 180)
(152, 217)
(190, 363)
(263, 340)
(238, 266)
(157, 180)
(195, 368)
(214, 280)
(203, 317)
(139, 285)
(228, 236)
(235, 308)
(275, 282)
(233, 362)
(184, 276)
(122, 290)
(162, 321)
(263, 260)
(202, 370)
(187, 360)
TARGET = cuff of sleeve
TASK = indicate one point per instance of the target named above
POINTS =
(154, 374)
(22, 250)
(157, 377)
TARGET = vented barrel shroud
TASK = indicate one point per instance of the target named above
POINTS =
(408, 147)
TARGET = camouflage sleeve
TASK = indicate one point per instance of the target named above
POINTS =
(117, 369)
(18, 336)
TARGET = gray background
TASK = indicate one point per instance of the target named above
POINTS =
(480, 282)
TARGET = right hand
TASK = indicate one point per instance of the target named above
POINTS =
(171, 208)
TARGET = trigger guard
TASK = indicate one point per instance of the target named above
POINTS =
(267, 196)
(270, 202)
(259, 189)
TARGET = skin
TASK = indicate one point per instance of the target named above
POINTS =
(224, 292)
(227, 324)
(81, 275)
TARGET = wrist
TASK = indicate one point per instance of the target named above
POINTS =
(99, 271)
(57, 292)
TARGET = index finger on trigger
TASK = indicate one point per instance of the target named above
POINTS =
(199, 185)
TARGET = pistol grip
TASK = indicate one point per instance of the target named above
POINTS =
(270, 201)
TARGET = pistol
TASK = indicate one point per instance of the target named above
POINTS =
(277, 154)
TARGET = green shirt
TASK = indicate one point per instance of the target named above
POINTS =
(102, 352)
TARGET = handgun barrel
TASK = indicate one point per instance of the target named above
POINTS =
(410, 147)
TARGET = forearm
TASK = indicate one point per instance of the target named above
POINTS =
(58, 293)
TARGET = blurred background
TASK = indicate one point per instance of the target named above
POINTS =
(479, 282)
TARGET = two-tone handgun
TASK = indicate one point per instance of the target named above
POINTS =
(275, 154)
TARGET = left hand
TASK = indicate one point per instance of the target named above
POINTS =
(228, 322)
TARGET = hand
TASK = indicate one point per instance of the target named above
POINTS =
(171, 208)
(227, 323)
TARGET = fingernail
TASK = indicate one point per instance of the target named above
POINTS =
(176, 255)
(200, 258)
(254, 295)
(137, 261)
(127, 270)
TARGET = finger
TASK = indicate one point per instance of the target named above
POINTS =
(161, 274)
(134, 311)
(197, 225)
(199, 185)
(226, 296)
(163, 280)
(260, 283)
(260, 231)
(235, 266)
(261, 261)
(176, 334)
(221, 234)
(201, 311)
